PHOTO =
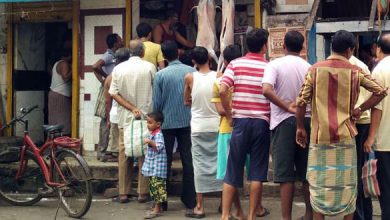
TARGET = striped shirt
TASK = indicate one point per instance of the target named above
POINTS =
(155, 163)
(168, 95)
(245, 75)
(332, 87)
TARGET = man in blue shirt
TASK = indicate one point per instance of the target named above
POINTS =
(168, 98)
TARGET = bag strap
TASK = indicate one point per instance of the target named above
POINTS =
(132, 139)
(141, 138)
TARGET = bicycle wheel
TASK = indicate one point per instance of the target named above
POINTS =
(27, 189)
(76, 195)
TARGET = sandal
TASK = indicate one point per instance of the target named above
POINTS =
(192, 214)
(151, 215)
(265, 213)
(118, 199)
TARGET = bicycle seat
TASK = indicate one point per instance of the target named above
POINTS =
(52, 128)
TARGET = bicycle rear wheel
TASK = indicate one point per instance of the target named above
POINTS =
(76, 195)
(27, 189)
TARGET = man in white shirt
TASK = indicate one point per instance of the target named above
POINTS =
(131, 87)
(363, 205)
(380, 129)
(282, 82)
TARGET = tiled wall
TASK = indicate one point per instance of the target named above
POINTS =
(89, 85)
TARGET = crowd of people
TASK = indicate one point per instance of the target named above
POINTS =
(317, 122)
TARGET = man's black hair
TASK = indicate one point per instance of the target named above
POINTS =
(232, 52)
(143, 30)
(66, 52)
(293, 40)
(186, 58)
(169, 50)
(342, 41)
(384, 43)
(111, 40)
(157, 116)
(200, 55)
(256, 39)
(122, 54)
(170, 14)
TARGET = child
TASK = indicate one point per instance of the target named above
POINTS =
(225, 130)
(155, 165)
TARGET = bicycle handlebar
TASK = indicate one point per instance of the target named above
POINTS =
(20, 117)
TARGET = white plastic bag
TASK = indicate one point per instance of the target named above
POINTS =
(134, 135)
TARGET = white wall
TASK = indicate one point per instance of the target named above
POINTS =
(88, 123)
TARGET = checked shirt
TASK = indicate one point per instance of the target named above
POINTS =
(156, 160)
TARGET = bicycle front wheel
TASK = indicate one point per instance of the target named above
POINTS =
(76, 195)
(25, 190)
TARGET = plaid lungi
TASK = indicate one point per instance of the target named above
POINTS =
(332, 177)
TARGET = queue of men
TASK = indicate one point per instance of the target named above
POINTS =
(319, 122)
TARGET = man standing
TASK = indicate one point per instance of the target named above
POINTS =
(363, 205)
(250, 112)
(380, 129)
(332, 88)
(281, 86)
(131, 87)
(198, 91)
(168, 98)
(102, 68)
(153, 52)
(122, 55)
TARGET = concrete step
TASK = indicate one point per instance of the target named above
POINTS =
(105, 176)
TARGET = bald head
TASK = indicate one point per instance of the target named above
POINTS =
(136, 48)
(384, 43)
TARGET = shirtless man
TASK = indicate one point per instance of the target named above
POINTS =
(164, 31)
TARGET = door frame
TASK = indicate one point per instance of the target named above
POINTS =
(75, 14)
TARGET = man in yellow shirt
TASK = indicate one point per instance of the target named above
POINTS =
(153, 53)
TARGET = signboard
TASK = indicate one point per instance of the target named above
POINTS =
(276, 41)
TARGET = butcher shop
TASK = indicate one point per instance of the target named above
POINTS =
(84, 25)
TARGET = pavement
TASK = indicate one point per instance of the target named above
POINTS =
(104, 209)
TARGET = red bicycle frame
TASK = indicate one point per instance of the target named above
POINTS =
(38, 152)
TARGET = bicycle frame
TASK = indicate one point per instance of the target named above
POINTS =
(38, 152)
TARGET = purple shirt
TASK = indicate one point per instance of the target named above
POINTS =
(286, 75)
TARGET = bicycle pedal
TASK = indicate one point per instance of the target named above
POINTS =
(47, 192)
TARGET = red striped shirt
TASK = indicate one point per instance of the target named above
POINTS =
(245, 75)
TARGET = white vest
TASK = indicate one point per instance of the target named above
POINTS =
(58, 85)
(204, 116)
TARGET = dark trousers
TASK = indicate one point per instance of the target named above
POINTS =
(383, 175)
(183, 136)
(363, 205)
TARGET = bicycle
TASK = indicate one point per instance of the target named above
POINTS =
(38, 172)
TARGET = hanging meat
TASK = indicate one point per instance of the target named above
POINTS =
(206, 36)
(227, 31)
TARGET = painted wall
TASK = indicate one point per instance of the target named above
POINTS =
(293, 6)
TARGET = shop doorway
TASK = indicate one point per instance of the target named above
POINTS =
(37, 46)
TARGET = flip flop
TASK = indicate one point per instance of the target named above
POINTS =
(192, 214)
(265, 213)
(118, 199)
(152, 215)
